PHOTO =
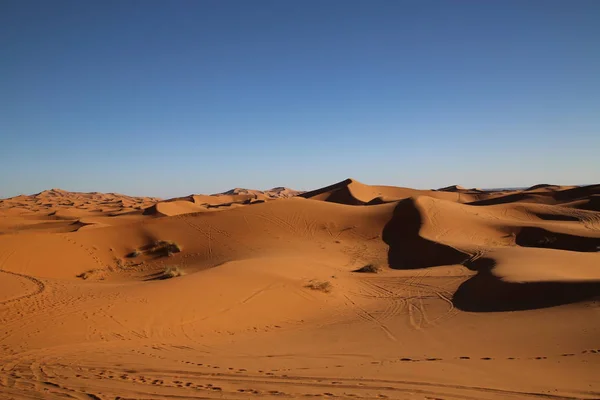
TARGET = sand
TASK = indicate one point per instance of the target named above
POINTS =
(350, 291)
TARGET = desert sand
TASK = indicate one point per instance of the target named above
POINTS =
(351, 291)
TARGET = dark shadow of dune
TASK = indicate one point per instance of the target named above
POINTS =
(344, 196)
(407, 249)
(378, 200)
(152, 210)
(557, 217)
(542, 186)
(511, 198)
(155, 276)
(483, 292)
(487, 293)
(326, 189)
(590, 204)
(381, 200)
(336, 193)
(576, 193)
(542, 238)
(550, 197)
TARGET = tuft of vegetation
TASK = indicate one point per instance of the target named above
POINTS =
(171, 272)
(83, 275)
(164, 248)
(369, 269)
(321, 286)
(90, 274)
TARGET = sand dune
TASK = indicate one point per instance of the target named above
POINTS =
(49, 210)
(274, 193)
(352, 192)
(546, 194)
(349, 291)
(217, 202)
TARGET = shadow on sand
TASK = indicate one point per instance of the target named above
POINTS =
(407, 249)
(483, 292)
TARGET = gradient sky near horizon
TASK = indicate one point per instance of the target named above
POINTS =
(168, 98)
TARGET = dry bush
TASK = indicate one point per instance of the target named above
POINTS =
(171, 272)
(321, 286)
(164, 248)
(90, 274)
(369, 269)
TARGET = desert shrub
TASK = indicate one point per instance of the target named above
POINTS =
(89, 274)
(164, 248)
(171, 272)
(369, 269)
(83, 275)
(321, 286)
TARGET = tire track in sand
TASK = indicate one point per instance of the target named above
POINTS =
(367, 316)
(40, 286)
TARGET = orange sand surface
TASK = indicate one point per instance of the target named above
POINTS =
(351, 291)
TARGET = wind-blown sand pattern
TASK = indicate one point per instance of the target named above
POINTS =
(351, 291)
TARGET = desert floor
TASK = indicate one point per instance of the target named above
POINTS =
(350, 291)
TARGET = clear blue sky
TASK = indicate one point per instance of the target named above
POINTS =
(169, 98)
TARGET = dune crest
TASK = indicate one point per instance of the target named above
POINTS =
(352, 192)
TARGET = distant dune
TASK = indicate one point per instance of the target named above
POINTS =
(275, 193)
(217, 202)
(347, 291)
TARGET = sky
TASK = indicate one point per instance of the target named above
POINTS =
(167, 98)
